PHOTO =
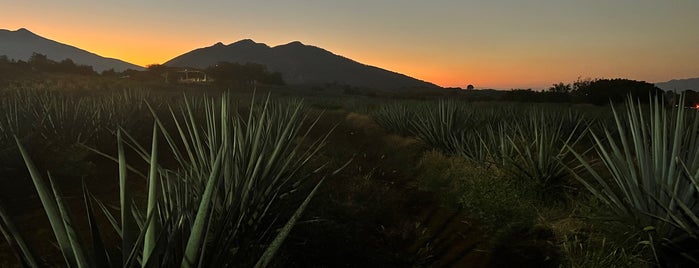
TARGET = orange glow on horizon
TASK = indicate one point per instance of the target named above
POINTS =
(532, 46)
(144, 47)
(527, 69)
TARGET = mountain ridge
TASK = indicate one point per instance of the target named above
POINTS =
(22, 43)
(299, 64)
(681, 84)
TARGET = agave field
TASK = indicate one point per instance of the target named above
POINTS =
(156, 178)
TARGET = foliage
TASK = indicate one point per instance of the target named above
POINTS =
(439, 125)
(395, 117)
(603, 91)
(592, 251)
(539, 152)
(42, 63)
(483, 190)
(231, 198)
(560, 87)
(230, 73)
(652, 162)
(528, 144)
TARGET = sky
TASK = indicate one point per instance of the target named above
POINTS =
(500, 44)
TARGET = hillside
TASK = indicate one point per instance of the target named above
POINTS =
(680, 84)
(20, 44)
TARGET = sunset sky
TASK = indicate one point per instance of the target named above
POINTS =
(488, 43)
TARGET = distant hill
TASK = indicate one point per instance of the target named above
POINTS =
(680, 84)
(20, 45)
(299, 64)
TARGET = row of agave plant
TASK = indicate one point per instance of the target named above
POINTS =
(527, 142)
(643, 163)
(65, 118)
(240, 182)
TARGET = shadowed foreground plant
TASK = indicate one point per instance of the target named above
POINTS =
(653, 164)
(231, 200)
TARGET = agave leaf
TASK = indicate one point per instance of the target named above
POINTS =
(115, 159)
(13, 237)
(75, 242)
(194, 243)
(49, 203)
(153, 196)
(132, 256)
(99, 251)
(112, 220)
(129, 226)
(274, 246)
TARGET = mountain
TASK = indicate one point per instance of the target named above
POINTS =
(299, 64)
(20, 45)
(680, 84)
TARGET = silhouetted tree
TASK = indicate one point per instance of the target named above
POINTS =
(228, 73)
(469, 87)
(561, 88)
(157, 69)
(41, 62)
(602, 91)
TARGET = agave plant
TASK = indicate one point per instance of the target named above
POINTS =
(539, 148)
(230, 199)
(650, 176)
(395, 117)
(442, 126)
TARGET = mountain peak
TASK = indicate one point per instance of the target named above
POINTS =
(300, 64)
(296, 44)
(22, 32)
(245, 42)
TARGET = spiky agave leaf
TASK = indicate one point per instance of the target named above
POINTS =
(16, 240)
(653, 163)
(73, 253)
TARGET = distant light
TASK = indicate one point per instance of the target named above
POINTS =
(696, 106)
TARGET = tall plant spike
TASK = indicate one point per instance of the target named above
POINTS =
(12, 236)
(49, 203)
(153, 227)
(129, 229)
(194, 243)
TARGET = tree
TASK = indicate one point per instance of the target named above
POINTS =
(602, 91)
(40, 62)
(469, 87)
(157, 69)
(230, 73)
(560, 88)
